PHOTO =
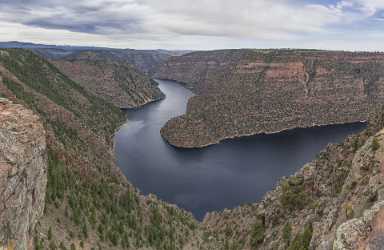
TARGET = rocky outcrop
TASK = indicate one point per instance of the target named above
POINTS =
(366, 232)
(23, 174)
(333, 202)
(114, 81)
(246, 92)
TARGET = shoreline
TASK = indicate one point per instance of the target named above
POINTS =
(219, 141)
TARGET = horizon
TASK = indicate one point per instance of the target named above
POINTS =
(176, 50)
(341, 25)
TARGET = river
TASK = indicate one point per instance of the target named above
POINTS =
(222, 176)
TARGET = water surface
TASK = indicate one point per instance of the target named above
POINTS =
(222, 176)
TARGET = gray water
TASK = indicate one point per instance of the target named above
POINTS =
(221, 176)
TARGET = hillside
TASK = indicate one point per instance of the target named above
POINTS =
(246, 92)
(115, 81)
(89, 204)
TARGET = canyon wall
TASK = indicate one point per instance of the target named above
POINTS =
(117, 82)
(23, 174)
(246, 92)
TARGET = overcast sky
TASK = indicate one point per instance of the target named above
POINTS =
(197, 24)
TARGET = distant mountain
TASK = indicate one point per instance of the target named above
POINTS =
(146, 61)
(26, 45)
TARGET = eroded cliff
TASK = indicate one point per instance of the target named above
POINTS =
(246, 92)
(115, 81)
(23, 174)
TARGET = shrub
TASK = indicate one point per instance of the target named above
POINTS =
(287, 233)
(349, 211)
(303, 239)
(293, 196)
(356, 144)
(62, 247)
(257, 235)
(375, 144)
(50, 233)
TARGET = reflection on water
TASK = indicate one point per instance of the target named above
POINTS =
(221, 176)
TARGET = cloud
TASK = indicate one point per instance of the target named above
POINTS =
(181, 23)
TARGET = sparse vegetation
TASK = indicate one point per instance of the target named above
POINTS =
(375, 144)
(287, 233)
(257, 234)
(302, 239)
(294, 196)
(349, 213)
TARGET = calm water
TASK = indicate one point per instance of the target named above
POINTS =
(221, 176)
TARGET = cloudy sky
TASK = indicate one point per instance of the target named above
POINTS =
(197, 24)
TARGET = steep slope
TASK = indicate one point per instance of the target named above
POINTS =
(114, 81)
(89, 203)
(334, 202)
(23, 174)
(246, 92)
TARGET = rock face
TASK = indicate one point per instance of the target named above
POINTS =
(114, 81)
(366, 232)
(23, 174)
(246, 92)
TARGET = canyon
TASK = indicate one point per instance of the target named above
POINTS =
(247, 92)
(56, 141)
(88, 202)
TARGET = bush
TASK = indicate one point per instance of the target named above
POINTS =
(294, 196)
(62, 247)
(287, 233)
(50, 233)
(356, 144)
(303, 239)
(349, 211)
(257, 235)
(375, 144)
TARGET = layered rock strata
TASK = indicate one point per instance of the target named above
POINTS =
(247, 92)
